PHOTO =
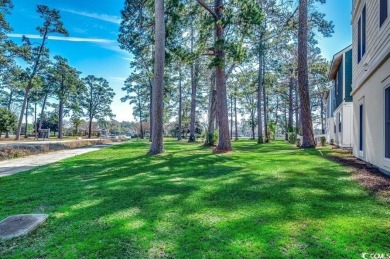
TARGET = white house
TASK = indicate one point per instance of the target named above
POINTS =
(338, 100)
(371, 81)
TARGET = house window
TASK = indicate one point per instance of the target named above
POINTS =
(361, 127)
(387, 122)
(340, 124)
(362, 34)
(383, 11)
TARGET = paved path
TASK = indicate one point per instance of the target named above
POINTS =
(14, 166)
(42, 142)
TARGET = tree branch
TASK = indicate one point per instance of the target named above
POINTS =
(205, 6)
(230, 70)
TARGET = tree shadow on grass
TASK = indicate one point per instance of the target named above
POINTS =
(194, 203)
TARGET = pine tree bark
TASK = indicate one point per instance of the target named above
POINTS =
(157, 145)
(290, 103)
(322, 115)
(60, 118)
(266, 140)
(61, 109)
(140, 121)
(30, 85)
(212, 112)
(180, 107)
(42, 111)
(260, 139)
(303, 79)
(235, 118)
(253, 123)
(194, 80)
(35, 121)
(224, 143)
(231, 117)
(26, 94)
(26, 126)
(90, 127)
(297, 109)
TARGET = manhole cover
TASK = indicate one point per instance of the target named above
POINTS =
(20, 225)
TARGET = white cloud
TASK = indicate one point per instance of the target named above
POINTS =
(103, 17)
(117, 79)
(103, 43)
(75, 39)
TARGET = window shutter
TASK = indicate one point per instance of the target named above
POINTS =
(359, 50)
(361, 127)
(364, 30)
(383, 11)
(387, 123)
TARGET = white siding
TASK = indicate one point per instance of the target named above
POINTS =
(373, 120)
(377, 40)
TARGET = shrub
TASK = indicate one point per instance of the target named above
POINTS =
(323, 141)
(332, 142)
(292, 137)
(298, 142)
(213, 137)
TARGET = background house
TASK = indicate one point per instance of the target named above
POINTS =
(339, 100)
(371, 81)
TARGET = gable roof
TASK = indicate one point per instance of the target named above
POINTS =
(337, 59)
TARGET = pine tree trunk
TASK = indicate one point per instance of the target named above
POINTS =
(18, 131)
(276, 111)
(212, 112)
(231, 117)
(303, 79)
(42, 111)
(26, 126)
(260, 138)
(290, 103)
(253, 123)
(224, 143)
(11, 94)
(151, 111)
(140, 121)
(266, 140)
(235, 118)
(60, 118)
(286, 123)
(297, 125)
(180, 107)
(157, 145)
(35, 121)
(193, 102)
(90, 127)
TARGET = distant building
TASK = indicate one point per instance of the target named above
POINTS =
(338, 100)
(371, 81)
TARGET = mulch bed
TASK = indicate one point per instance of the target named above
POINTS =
(367, 175)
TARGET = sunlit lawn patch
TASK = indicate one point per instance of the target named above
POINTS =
(259, 201)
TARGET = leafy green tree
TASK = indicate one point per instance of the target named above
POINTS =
(34, 55)
(50, 120)
(97, 99)
(243, 14)
(8, 120)
(66, 83)
(76, 121)
(137, 93)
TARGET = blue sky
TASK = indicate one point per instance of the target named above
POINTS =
(93, 27)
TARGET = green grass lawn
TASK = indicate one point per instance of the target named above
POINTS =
(259, 201)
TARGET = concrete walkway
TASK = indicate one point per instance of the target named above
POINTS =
(14, 166)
